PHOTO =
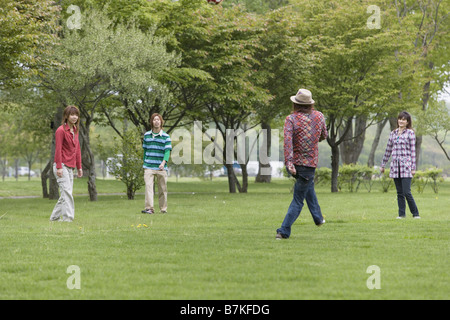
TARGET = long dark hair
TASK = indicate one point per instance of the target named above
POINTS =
(305, 108)
(405, 115)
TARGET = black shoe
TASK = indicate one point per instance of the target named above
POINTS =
(149, 211)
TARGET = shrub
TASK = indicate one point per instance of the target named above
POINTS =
(322, 176)
(432, 175)
(128, 166)
(352, 175)
(385, 181)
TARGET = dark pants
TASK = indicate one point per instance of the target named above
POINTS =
(403, 186)
(303, 190)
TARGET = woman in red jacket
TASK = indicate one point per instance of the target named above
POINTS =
(67, 157)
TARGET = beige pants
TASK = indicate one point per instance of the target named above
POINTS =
(65, 206)
(161, 177)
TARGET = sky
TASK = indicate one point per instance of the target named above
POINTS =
(445, 96)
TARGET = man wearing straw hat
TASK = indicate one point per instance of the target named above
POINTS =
(304, 128)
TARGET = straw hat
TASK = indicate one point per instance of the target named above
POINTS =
(303, 96)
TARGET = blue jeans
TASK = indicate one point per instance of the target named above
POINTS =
(403, 186)
(303, 190)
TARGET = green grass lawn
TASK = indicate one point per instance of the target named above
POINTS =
(216, 245)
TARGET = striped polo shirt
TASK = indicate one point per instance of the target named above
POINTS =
(155, 146)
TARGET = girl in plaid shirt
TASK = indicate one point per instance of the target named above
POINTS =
(402, 146)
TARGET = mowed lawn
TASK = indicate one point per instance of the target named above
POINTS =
(216, 245)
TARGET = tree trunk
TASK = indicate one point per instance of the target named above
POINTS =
(44, 177)
(54, 188)
(334, 142)
(376, 141)
(3, 162)
(231, 178)
(425, 98)
(53, 184)
(334, 167)
(244, 187)
(88, 161)
(419, 139)
(393, 123)
(131, 192)
(261, 177)
(53, 192)
(353, 141)
(233, 181)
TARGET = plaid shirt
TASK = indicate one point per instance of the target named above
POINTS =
(403, 150)
(302, 133)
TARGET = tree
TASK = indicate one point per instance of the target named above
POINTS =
(126, 166)
(7, 111)
(435, 122)
(430, 38)
(31, 130)
(280, 61)
(258, 6)
(100, 61)
(355, 72)
(27, 131)
(216, 80)
(180, 24)
(27, 29)
(233, 97)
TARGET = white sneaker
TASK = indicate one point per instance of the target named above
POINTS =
(416, 217)
(323, 221)
(400, 217)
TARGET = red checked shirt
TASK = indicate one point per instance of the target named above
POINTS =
(302, 133)
(403, 150)
(67, 148)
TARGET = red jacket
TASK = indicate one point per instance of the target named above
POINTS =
(67, 148)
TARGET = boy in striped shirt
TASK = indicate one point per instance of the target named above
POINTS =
(157, 146)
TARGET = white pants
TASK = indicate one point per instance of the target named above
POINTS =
(65, 206)
(161, 177)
